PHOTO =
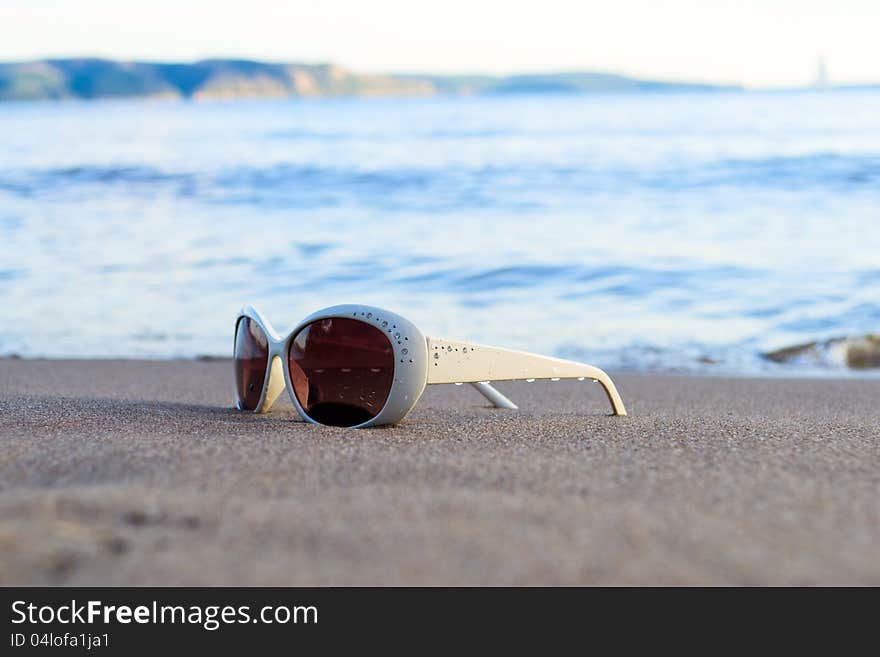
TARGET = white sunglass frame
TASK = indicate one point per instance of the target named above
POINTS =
(418, 361)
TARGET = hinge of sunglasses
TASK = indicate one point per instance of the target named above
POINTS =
(498, 400)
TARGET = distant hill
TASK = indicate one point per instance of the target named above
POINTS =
(228, 78)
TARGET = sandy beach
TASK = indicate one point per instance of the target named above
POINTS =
(136, 472)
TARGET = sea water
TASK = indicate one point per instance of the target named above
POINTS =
(641, 231)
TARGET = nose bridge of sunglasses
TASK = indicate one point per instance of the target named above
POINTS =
(276, 382)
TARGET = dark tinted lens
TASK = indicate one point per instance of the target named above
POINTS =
(342, 370)
(251, 357)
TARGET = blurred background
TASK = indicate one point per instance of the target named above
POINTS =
(651, 186)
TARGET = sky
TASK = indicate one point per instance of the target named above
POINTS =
(757, 43)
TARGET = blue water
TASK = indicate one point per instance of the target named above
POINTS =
(652, 231)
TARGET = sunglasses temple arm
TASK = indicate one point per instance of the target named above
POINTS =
(489, 392)
(610, 389)
(461, 362)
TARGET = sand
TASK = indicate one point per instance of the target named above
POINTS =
(139, 473)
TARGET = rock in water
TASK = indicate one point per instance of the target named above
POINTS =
(864, 353)
(859, 353)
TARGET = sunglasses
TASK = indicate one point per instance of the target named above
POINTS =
(360, 366)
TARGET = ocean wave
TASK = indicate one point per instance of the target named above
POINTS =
(32, 182)
(857, 314)
(815, 170)
(475, 186)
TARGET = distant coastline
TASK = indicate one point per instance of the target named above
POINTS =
(217, 79)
